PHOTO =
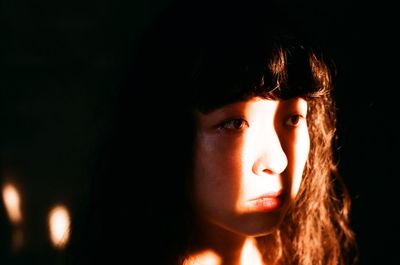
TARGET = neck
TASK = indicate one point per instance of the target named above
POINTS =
(218, 246)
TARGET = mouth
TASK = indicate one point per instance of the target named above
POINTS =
(270, 201)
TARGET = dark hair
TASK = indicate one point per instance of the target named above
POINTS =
(198, 58)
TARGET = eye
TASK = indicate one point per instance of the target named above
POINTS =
(234, 124)
(295, 120)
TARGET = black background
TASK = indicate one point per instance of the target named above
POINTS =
(61, 64)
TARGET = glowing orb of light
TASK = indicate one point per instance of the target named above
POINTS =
(59, 226)
(12, 203)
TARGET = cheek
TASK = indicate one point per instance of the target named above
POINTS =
(216, 176)
(300, 155)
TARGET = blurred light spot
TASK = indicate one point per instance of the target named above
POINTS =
(17, 239)
(11, 199)
(207, 257)
(59, 226)
(250, 253)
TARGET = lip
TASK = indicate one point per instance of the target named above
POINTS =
(267, 202)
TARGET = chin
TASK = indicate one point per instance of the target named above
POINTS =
(256, 225)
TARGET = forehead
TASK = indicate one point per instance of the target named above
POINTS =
(255, 105)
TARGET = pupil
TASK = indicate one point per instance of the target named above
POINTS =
(238, 124)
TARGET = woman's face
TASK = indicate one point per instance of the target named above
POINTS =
(249, 160)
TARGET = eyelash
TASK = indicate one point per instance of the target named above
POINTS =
(233, 124)
(239, 124)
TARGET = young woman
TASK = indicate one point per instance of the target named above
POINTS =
(223, 148)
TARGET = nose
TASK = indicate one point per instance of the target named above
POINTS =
(270, 157)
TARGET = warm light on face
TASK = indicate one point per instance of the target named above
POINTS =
(249, 161)
(11, 199)
(59, 225)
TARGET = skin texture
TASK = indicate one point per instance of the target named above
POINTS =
(245, 150)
